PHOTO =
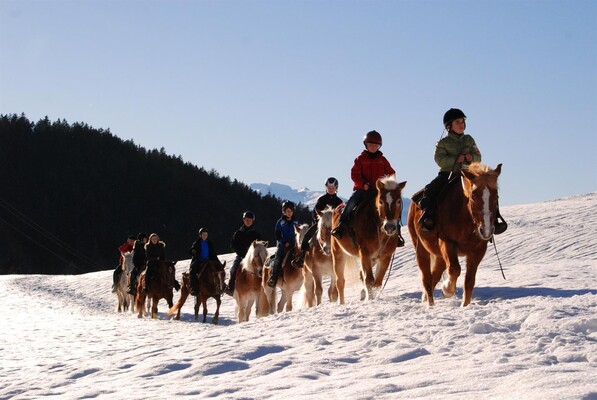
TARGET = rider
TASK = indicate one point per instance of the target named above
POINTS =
(368, 167)
(454, 152)
(202, 250)
(240, 243)
(139, 260)
(126, 247)
(286, 239)
(330, 198)
(155, 251)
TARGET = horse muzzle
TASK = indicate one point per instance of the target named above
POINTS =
(486, 232)
(390, 227)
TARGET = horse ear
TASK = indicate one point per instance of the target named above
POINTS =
(319, 213)
(379, 185)
(498, 169)
(401, 185)
(467, 174)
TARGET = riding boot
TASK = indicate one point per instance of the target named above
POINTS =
(271, 282)
(116, 277)
(339, 231)
(426, 222)
(298, 261)
(500, 224)
(133, 282)
(400, 239)
(193, 283)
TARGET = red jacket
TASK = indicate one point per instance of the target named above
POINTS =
(124, 248)
(368, 168)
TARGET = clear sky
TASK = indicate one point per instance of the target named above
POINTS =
(283, 91)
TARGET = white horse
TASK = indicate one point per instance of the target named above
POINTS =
(127, 267)
(247, 290)
(318, 262)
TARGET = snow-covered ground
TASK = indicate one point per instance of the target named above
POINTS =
(532, 336)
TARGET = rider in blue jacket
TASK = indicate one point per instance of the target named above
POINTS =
(286, 239)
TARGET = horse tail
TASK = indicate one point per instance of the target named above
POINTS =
(184, 294)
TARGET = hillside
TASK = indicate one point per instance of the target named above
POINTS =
(72, 194)
(531, 336)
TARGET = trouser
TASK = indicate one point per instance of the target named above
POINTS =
(151, 266)
(355, 199)
(431, 191)
(133, 277)
(280, 253)
(233, 269)
(195, 268)
(306, 242)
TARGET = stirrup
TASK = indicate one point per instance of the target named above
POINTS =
(298, 262)
(338, 231)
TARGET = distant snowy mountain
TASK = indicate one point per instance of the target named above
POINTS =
(305, 196)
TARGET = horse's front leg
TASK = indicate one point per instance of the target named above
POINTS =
(196, 308)
(282, 301)
(472, 263)
(367, 275)
(309, 282)
(154, 307)
(338, 259)
(217, 313)
(204, 304)
(449, 252)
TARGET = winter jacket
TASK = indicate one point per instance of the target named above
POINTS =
(195, 250)
(139, 258)
(449, 148)
(124, 248)
(324, 201)
(155, 251)
(368, 168)
(285, 231)
(242, 239)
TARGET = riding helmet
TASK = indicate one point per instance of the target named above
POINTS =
(249, 214)
(451, 115)
(332, 181)
(203, 230)
(372, 137)
(287, 204)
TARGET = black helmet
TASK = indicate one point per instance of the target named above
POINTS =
(202, 230)
(141, 236)
(249, 214)
(131, 237)
(287, 204)
(332, 181)
(451, 115)
(372, 137)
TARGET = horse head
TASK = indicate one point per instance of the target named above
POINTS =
(256, 256)
(127, 264)
(324, 229)
(218, 276)
(480, 187)
(389, 203)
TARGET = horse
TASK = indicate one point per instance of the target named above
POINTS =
(123, 297)
(374, 234)
(290, 280)
(248, 290)
(160, 287)
(318, 261)
(212, 283)
(464, 223)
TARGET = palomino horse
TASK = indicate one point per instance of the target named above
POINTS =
(290, 280)
(160, 287)
(374, 236)
(464, 223)
(248, 290)
(123, 297)
(318, 261)
(212, 282)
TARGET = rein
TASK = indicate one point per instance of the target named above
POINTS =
(498, 257)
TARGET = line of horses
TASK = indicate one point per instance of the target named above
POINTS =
(465, 217)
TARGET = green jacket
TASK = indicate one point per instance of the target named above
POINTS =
(449, 148)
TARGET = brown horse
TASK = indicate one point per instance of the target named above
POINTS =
(290, 280)
(464, 224)
(318, 261)
(373, 237)
(248, 290)
(161, 284)
(212, 282)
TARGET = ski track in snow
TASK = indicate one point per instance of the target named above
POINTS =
(531, 336)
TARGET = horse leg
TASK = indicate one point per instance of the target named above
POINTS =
(217, 313)
(333, 290)
(154, 307)
(338, 258)
(472, 263)
(438, 266)
(289, 300)
(196, 308)
(282, 301)
(450, 254)
(424, 262)
(367, 275)
(204, 304)
(309, 282)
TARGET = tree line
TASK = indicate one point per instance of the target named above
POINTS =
(71, 194)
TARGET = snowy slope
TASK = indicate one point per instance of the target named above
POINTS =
(532, 336)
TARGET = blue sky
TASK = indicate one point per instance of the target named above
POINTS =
(283, 91)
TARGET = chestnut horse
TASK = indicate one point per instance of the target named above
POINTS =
(160, 287)
(374, 234)
(318, 261)
(248, 290)
(123, 297)
(290, 280)
(464, 223)
(212, 282)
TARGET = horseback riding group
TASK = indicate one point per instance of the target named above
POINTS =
(456, 214)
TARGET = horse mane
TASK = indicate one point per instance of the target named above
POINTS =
(483, 175)
(247, 262)
(389, 182)
(325, 217)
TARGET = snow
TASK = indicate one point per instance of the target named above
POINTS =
(532, 336)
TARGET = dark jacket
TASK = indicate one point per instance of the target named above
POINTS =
(242, 239)
(195, 250)
(324, 201)
(285, 231)
(139, 258)
(155, 251)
